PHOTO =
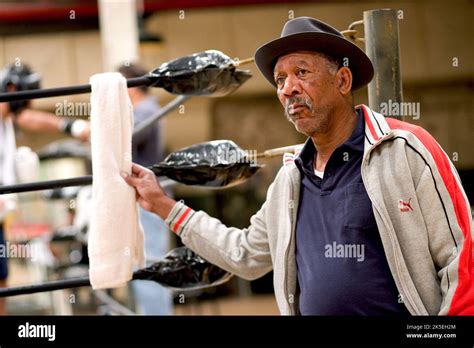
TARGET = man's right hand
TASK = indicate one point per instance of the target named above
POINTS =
(150, 195)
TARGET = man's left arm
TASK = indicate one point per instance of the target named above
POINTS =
(448, 220)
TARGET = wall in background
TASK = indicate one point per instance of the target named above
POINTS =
(432, 34)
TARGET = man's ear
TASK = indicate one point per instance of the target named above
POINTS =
(344, 80)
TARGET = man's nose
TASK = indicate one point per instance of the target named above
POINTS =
(291, 86)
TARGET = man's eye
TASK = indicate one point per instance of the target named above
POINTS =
(279, 81)
(302, 72)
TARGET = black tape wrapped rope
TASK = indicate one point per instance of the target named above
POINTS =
(209, 73)
(181, 269)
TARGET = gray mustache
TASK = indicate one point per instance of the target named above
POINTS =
(298, 100)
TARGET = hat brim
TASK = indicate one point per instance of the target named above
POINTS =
(360, 65)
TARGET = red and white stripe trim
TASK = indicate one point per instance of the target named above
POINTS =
(181, 214)
(463, 299)
(376, 126)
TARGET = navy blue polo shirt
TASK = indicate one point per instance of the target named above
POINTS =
(341, 264)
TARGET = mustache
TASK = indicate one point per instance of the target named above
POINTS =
(297, 100)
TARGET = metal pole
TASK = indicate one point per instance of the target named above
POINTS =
(383, 48)
(143, 126)
(118, 32)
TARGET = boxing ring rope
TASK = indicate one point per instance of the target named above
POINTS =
(181, 269)
(48, 286)
(87, 180)
(352, 33)
(54, 285)
(53, 184)
(70, 90)
(179, 75)
(46, 185)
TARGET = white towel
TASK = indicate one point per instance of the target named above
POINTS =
(116, 236)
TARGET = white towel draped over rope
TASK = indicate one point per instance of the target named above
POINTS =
(116, 236)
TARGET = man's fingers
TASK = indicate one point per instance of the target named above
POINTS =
(129, 179)
(140, 171)
(137, 169)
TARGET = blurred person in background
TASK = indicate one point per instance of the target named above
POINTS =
(20, 114)
(148, 149)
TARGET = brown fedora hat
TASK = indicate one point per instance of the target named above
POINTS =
(310, 34)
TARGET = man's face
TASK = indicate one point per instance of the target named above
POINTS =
(306, 89)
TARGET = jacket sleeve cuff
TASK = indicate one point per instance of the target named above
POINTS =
(179, 217)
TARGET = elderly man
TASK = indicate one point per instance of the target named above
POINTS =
(368, 219)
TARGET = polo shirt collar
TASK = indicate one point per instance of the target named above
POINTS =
(356, 142)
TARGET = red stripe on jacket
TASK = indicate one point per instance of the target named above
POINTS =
(463, 299)
(181, 219)
(370, 124)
